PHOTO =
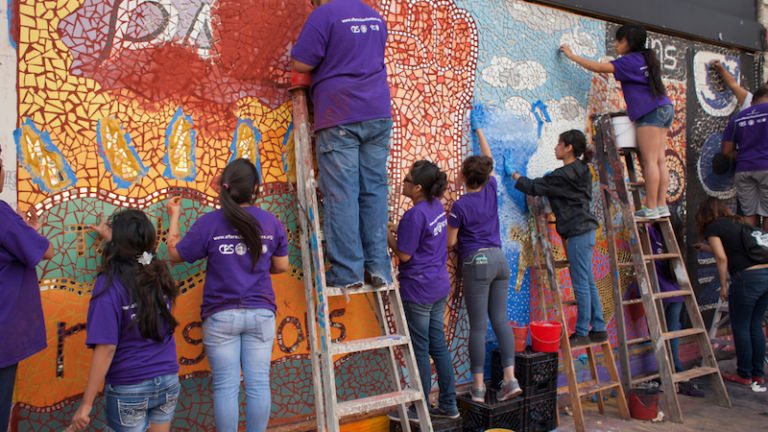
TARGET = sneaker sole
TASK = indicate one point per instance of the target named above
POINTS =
(511, 394)
(444, 416)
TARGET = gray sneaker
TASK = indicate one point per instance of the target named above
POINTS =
(478, 394)
(412, 415)
(509, 390)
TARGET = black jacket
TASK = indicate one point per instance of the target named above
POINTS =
(569, 190)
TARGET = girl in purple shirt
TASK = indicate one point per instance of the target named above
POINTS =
(130, 328)
(474, 224)
(21, 311)
(243, 245)
(648, 106)
(420, 246)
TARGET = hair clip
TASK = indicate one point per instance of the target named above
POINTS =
(145, 259)
(226, 186)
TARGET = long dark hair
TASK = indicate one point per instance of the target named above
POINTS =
(576, 139)
(635, 35)
(428, 175)
(149, 286)
(711, 210)
(238, 186)
(476, 170)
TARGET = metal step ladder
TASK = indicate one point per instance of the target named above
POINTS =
(395, 337)
(546, 274)
(616, 188)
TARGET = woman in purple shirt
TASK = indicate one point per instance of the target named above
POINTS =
(243, 245)
(21, 311)
(474, 225)
(648, 106)
(130, 328)
(423, 277)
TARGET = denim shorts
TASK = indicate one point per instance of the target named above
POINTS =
(131, 408)
(661, 116)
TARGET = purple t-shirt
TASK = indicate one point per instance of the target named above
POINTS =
(632, 72)
(665, 284)
(111, 316)
(749, 130)
(229, 281)
(422, 234)
(476, 215)
(21, 312)
(344, 41)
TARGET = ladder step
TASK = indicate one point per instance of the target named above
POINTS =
(645, 377)
(570, 303)
(638, 340)
(631, 301)
(635, 185)
(372, 403)
(668, 294)
(683, 333)
(332, 291)
(626, 264)
(558, 264)
(662, 256)
(369, 344)
(593, 388)
(693, 373)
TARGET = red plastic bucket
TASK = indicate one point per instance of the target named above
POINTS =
(545, 335)
(644, 404)
(521, 337)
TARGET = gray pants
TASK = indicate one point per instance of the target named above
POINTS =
(486, 282)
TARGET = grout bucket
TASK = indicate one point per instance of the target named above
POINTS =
(521, 337)
(545, 335)
(624, 130)
(644, 403)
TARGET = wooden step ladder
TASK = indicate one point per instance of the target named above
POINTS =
(616, 190)
(395, 337)
(546, 274)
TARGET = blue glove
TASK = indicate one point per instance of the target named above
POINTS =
(477, 117)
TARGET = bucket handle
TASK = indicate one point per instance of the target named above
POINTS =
(562, 330)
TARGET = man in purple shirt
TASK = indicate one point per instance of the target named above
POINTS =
(21, 312)
(746, 139)
(342, 45)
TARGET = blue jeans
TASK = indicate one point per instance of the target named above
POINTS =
(7, 380)
(747, 303)
(672, 316)
(425, 324)
(590, 312)
(132, 407)
(352, 160)
(660, 116)
(235, 339)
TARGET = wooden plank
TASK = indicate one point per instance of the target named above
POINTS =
(372, 403)
(683, 333)
(695, 372)
(668, 294)
(369, 344)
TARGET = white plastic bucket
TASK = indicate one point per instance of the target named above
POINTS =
(624, 130)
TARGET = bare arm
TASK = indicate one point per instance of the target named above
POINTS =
(279, 264)
(728, 148)
(392, 243)
(102, 358)
(174, 236)
(721, 260)
(484, 148)
(590, 65)
(738, 91)
(453, 237)
(302, 67)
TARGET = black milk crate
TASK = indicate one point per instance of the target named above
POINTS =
(536, 371)
(541, 412)
(438, 425)
(477, 417)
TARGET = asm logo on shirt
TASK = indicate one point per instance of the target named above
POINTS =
(240, 249)
(227, 249)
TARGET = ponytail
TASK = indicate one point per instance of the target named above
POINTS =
(578, 141)
(431, 179)
(239, 182)
(636, 37)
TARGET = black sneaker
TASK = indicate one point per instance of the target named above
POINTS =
(438, 412)
(412, 416)
(598, 336)
(577, 340)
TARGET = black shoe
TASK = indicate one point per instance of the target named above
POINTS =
(598, 336)
(577, 340)
(374, 281)
(438, 412)
(412, 416)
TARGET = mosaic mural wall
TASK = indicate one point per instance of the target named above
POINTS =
(129, 102)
